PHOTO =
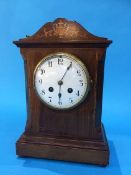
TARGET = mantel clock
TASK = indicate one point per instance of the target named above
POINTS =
(64, 70)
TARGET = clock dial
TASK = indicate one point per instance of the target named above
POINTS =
(61, 81)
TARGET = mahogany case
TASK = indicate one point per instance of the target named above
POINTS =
(76, 134)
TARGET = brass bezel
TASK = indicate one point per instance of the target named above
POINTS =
(73, 58)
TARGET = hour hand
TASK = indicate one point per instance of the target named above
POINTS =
(59, 95)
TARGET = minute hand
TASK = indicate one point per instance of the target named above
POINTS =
(66, 71)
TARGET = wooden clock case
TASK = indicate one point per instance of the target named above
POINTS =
(76, 134)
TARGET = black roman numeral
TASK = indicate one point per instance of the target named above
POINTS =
(50, 63)
(78, 72)
(60, 61)
(78, 93)
(60, 102)
(50, 99)
(43, 92)
(81, 82)
(40, 81)
(42, 71)
(70, 100)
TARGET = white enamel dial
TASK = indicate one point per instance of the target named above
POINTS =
(61, 81)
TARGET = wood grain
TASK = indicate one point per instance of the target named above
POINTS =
(75, 134)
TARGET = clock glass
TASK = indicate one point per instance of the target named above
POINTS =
(61, 81)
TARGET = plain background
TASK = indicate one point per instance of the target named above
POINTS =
(108, 18)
